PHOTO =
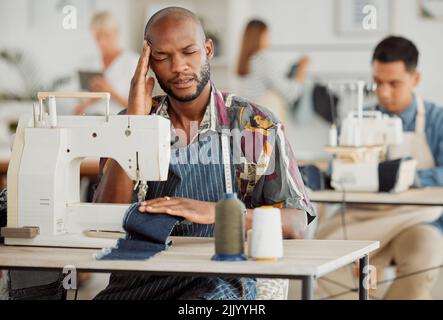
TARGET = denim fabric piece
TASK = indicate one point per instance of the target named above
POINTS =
(146, 235)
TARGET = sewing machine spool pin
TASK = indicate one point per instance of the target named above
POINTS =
(35, 115)
(52, 112)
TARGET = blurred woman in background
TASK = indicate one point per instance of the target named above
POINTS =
(117, 65)
(259, 81)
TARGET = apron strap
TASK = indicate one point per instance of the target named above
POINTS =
(226, 162)
(420, 117)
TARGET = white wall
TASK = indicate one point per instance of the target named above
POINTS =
(55, 51)
(58, 52)
(302, 26)
(293, 22)
(428, 36)
(297, 27)
(312, 23)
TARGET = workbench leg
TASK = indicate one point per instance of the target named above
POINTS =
(307, 287)
(363, 278)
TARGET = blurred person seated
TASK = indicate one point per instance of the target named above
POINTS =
(117, 65)
(410, 236)
(259, 81)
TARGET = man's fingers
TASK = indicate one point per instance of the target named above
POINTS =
(162, 209)
(143, 63)
(162, 204)
(152, 210)
(185, 213)
(165, 208)
(159, 205)
(149, 86)
(178, 211)
(161, 201)
(147, 54)
(170, 199)
(150, 202)
(140, 60)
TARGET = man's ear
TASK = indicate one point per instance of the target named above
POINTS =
(416, 77)
(209, 47)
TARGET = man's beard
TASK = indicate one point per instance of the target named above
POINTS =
(205, 75)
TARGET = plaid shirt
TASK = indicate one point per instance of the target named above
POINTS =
(269, 174)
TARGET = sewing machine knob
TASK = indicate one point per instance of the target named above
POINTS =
(128, 132)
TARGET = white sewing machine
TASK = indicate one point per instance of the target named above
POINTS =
(364, 139)
(43, 180)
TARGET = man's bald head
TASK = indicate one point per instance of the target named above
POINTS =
(179, 53)
(174, 14)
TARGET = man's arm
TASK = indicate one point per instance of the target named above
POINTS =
(115, 185)
(434, 133)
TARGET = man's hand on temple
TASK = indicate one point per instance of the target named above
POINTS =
(140, 94)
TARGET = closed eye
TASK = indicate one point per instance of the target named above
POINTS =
(162, 58)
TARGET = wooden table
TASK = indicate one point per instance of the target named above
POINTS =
(304, 260)
(431, 196)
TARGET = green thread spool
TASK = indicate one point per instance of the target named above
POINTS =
(229, 229)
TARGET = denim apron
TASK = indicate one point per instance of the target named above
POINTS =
(193, 173)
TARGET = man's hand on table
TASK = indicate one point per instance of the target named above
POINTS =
(192, 210)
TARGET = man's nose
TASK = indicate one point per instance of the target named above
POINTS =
(179, 64)
(383, 91)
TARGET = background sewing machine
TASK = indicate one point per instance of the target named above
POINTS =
(44, 206)
(364, 140)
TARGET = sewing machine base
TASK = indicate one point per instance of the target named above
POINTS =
(64, 240)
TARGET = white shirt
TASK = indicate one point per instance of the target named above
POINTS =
(119, 75)
(262, 77)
